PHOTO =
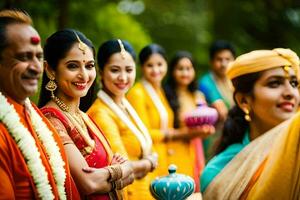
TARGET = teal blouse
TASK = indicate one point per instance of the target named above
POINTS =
(208, 87)
(217, 163)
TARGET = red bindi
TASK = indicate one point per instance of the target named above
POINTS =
(35, 40)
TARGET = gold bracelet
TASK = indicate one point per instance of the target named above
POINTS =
(119, 185)
(113, 186)
(110, 171)
(169, 136)
(115, 172)
(118, 171)
(151, 162)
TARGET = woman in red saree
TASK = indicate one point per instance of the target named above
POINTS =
(69, 75)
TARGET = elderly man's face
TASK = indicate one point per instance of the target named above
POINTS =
(21, 62)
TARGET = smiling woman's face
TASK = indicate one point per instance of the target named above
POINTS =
(118, 74)
(184, 72)
(275, 97)
(75, 73)
(155, 69)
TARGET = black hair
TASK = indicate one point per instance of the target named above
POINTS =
(235, 125)
(149, 50)
(171, 85)
(111, 47)
(56, 48)
(218, 46)
(8, 17)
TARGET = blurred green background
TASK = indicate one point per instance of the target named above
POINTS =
(175, 24)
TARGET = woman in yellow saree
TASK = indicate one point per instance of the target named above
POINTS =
(256, 160)
(184, 97)
(120, 123)
(148, 98)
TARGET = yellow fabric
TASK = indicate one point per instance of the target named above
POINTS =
(231, 182)
(280, 178)
(122, 141)
(260, 60)
(182, 153)
(272, 161)
(142, 103)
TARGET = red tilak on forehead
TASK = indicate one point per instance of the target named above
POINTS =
(35, 40)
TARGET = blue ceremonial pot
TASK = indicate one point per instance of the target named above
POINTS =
(173, 186)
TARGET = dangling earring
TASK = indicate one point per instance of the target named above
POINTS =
(51, 85)
(247, 116)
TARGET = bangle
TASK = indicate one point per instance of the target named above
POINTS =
(113, 186)
(119, 185)
(110, 172)
(115, 172)
(168, 136)
(152, 162)
(152, 165)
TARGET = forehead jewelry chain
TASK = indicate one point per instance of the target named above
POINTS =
(82, 47)
(122, 48)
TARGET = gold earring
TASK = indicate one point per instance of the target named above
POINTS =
(247, 116)
(51, 85)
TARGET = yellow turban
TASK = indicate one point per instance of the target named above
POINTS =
(261, 60)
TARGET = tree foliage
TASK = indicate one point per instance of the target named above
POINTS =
(255, 24)
(177, 25)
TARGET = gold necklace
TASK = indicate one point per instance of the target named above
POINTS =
(78, 122)
(83, 132)
(66, 108)
(60, 103)
(77, 117)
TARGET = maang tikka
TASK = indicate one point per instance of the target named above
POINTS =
(123, 51)
(81, 46)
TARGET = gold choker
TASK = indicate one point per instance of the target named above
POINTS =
(60, 104)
